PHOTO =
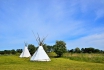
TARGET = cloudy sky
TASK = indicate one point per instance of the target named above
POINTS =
(79, 23)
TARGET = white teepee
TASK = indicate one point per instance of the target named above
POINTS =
(25, 52)
(40, 54)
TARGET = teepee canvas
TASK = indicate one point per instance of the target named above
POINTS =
(40, 54)
(25, 52)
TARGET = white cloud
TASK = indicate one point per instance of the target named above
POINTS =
(95, 41)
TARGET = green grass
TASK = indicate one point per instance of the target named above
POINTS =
(96, 58)
(13, 62)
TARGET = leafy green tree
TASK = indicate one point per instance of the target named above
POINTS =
(72, 51)
(13, 51)
(7, 51)
(90, 50)
(49, 48)
(97, 51)
(82, 50)
(59, 48)
(31, 49)
(77, 50)
(45, 47)
(19, 50)
(1, 52)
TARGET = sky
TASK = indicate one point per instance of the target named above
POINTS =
(79, 23)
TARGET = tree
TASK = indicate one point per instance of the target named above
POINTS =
(7, 51)
(1, 52)
(96, 51)
(45, 47)
(19, 50)
(59, 48)
(49, 48)
(83, 50)
(13, 51)
(90, 50)
(71, 51)
(77, 50)
(31, 48)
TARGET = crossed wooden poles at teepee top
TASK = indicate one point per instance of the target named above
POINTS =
(40, 41)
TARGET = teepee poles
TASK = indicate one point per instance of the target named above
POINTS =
(39, 40)
(40, 54)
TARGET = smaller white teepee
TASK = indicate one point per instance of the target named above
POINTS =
(25, 52)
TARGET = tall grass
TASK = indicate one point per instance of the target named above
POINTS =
(97, 58)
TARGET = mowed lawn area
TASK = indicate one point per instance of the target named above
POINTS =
(13, 62)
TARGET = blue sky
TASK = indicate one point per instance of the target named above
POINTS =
(79, 23)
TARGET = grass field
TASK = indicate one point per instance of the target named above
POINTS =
(13, 62)
(93, 57)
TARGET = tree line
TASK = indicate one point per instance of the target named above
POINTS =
(59, 48)
(10, 51)
(85, 50)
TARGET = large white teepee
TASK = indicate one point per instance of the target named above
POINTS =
(25, 52)
(40, 54)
